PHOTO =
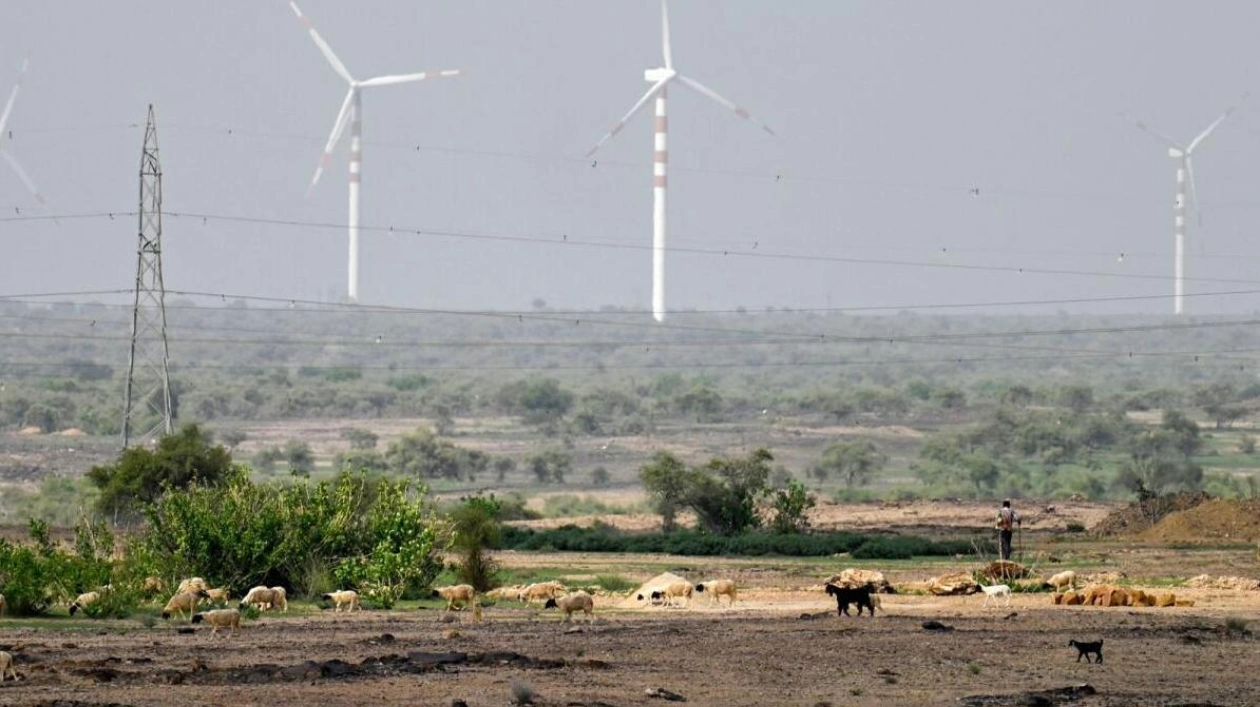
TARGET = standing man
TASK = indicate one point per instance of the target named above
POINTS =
(1007, 519)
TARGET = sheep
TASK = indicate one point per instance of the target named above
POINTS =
(82, 601)
(716, 588)
(678, 590)
(462, 593)
(192, 584)
(994, 591)
(575, 601)
(541, 591)
(6, 666)
(221, 595)
(266, 598)
(181, 602)
(219, 618)
(1063, 581)
(261, 597)
(348, 597)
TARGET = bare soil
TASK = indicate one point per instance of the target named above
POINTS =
(782, 644)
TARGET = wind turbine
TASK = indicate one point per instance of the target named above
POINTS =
(5, 135)
(660, 78)
(1182, 160)
(352, 112)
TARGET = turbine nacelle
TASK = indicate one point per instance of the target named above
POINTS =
(1176, 153)
(660, 75)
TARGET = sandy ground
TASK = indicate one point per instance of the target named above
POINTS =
(782, 644)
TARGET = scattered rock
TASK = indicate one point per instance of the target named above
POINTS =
(575, 629)
(1032, 698)
(1010, 616)
(661, 693)
(458, 703)
(936, 626)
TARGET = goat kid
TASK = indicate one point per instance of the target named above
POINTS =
(995, 592)
(1085, 649)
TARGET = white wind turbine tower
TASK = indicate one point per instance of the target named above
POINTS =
(660, 78)
(352, 112)
(4, 136)
(1182, 159)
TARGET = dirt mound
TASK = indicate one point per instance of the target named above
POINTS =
(1237, 583)
(1211, 521)
(657, 583)
(1003, 570)
(1140, 515)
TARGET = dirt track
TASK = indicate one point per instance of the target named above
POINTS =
(764, 653)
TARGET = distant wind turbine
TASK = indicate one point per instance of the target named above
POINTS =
(352, 112)
(6, 136)
(1182, 160)
(660, 79)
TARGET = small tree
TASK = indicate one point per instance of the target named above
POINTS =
(360, 439)
(504, 466)
(600, 476)
(791, 508)
(476, 530)
(551, 465)
(299, 457)
(140, 476)
(855, 462)
(233, 438)
(724, 493)
(665, 480)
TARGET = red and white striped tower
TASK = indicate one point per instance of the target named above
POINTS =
(352, 112)
(1183, 161)
(660, 79)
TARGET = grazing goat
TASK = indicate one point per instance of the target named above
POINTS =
(82, 601)
(995, 591)
(183, 601)
(348, 598)
(1084, 649)
(1062, 581)
(6, 666)
(717, 588)
(857, 595)
(462, 593)
(220, 618)
(575, 601)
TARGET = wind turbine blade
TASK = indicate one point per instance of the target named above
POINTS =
(1215, 124)
(656, 88)
(706, 91)
(8, 105)
(339, 127)
(337, 66)
(408, 78)
(21, 173)
(1140, 125)
(669, 54)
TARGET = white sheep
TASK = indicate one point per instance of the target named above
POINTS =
(280, 599)
(83, 600)
(348, 598)
(219, 618)
(574, 601)
(717, 588)
(462, 593)
(192, 584)
(260, 597)
(221, 595)
(1063, 581)
(678, 590)
(541, 591)
(182, 602)
(6, 666)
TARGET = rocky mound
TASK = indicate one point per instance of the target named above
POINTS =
(1212, 521)
(1140, 515)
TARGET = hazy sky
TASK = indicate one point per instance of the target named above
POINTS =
(888, 114)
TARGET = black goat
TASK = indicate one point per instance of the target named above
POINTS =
(846, 596)
(1084, 649)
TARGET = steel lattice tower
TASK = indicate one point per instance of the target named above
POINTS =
(148, 380)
